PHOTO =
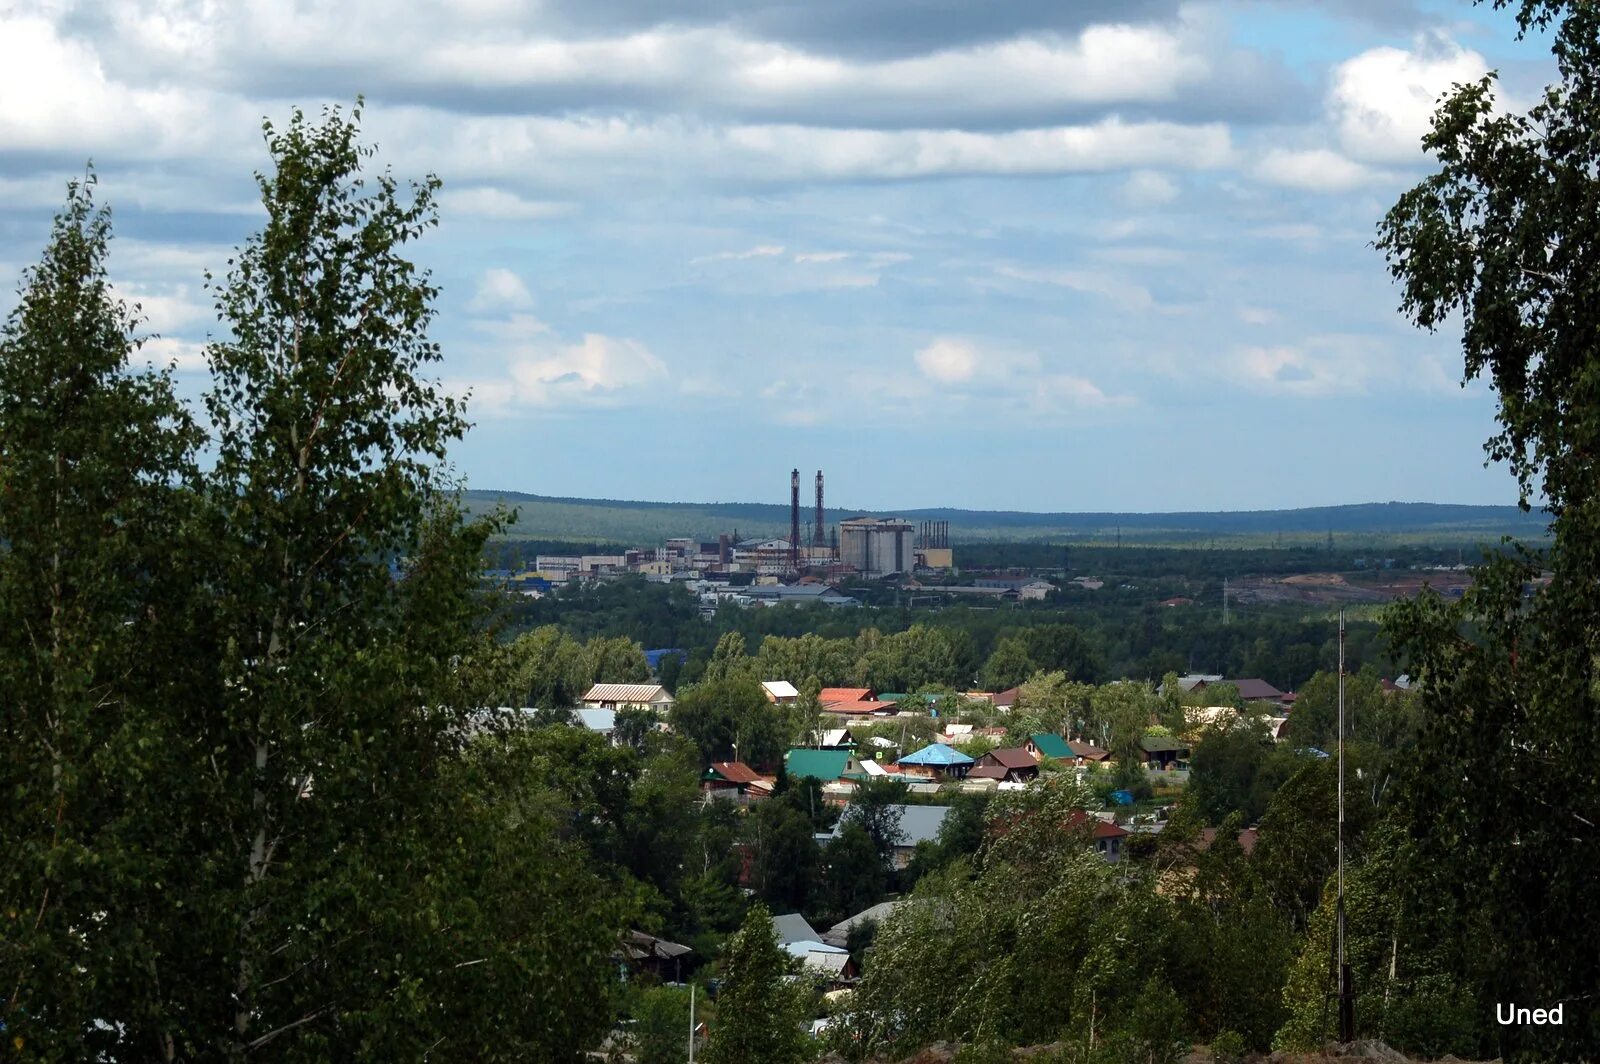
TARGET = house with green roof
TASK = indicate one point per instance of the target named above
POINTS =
(1052, 746)
(824, 765)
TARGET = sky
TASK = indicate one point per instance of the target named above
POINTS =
(1050, 255)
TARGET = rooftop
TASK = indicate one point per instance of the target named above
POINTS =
(816, 764)
(627, 692)
(1051, 745)
(937, 754)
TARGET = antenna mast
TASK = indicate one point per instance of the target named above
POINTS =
(1347, 1001)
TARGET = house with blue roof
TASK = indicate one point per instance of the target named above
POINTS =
(937, 760)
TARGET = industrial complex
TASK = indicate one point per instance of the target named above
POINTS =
(804, 567)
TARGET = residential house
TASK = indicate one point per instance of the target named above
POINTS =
(628, 696)
(834, 739)
(1087, 753)
(848, 702)
(1035, 591)
(820, 959)
(646, 953)
(1250, 690)
(1013, 765)
(1105, 835)
(780, 692)
(1046, 745)
(1007, 698)
(936, 760)
(792, 927)
(734, 779)
(1198, 718)
(828, 766)
(1164, 752)
(600, 721)
(1075, 751)
(839, 933)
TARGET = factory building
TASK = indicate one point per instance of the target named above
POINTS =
(876, 546)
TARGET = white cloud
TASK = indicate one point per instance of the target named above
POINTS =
(1123, 293)
(55, 95)
(1313, 170)
(1257, 315)
(1000, 375)
(822, 256)
(500, 290)
(1382, 100)
(1148, 188)
(499, 204)
(760, 251)
(575, 151)
(543, 372)
(948, 361)
(1072, 390)
(1336, 364)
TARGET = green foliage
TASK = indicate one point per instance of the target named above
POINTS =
(783, 854)
(1228, 1048)
(89, 456)
(854, 875)
(1502, 239)
(759, 1011)
(1296, 852)
(1415, 989)
(250, 804)
(729, 662)
(719, 715)
(1008, 666)
(661, 1025)
(1236, 769)
(874, 806)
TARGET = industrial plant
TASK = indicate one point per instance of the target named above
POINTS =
(804, 566)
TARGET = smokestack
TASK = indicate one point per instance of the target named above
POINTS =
(819, 536)
(794, 519)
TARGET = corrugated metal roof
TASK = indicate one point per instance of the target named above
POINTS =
(936, 754)
(599, 720)
(780, 688)
(734, 771)
(792, 927)
(921, 823)
(817, 764)
(645, 693)
(1012, 757)
(844, 694)
(1087, 751)
(1052, 745)
(839, 933)
(858, 709)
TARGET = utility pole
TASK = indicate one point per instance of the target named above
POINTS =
(1347, 1001)
(691, 1023)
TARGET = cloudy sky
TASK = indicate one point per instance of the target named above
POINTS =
(1030, 254)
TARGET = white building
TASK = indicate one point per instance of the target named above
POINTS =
(628, 696)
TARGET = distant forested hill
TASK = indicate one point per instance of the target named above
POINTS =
(615, 521)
